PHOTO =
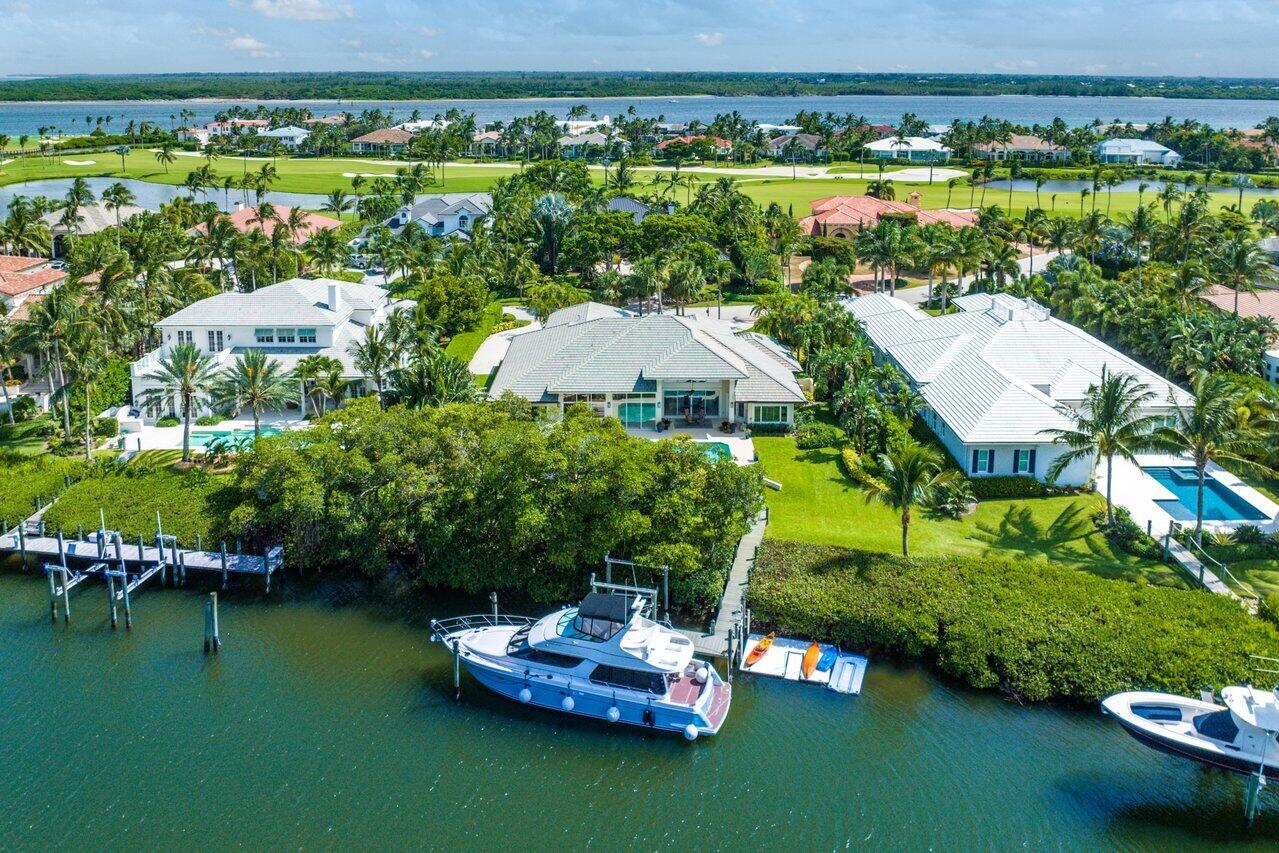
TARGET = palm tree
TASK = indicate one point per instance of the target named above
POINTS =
(254, 382)
(910, 474)
(182, 373)
(115, 197)
(1210, 430)
(9, 355)
(165, 155)
(308, 373)
(1111, 422)
(1244, 265)
(86, 359)
(326, 249)
(337, 203)
(685, 281)
(52, 321)
(434, 379)
(373, 355)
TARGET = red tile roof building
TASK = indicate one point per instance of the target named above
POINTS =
(245, 220)
(1263, 303)
(25, 279)
(845, 215)
(720, 143)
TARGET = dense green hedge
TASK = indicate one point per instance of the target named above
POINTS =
(23, 478)
(1037, 631)
(1007, 487)
(189, 502)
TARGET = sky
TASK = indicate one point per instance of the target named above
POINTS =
(1135, 37)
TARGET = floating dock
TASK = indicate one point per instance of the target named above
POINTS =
(785, 657)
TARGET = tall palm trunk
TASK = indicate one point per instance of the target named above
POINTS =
(1199, 505)
(257, 424)
(88, 447)
(186, 427)
(4, 386)
(1110, 481)
(905, 531)
(62, 384)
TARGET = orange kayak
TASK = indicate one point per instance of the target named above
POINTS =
(761, 648)
(811, 657)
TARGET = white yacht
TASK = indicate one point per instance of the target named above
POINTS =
(606, 658)
(1239, 737)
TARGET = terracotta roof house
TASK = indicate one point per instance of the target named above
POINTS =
(245, 220)
(386, 140)
(25, 279)
(845, 215)
(333, 120)
(877, 131)
(1263, 303)
(808, 142)
(1022, 146)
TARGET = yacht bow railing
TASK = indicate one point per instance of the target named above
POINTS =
(442, 629)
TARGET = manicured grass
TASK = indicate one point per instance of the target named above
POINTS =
(322, 175)
(821, 506)
(23, 438)
(189, 502)
(23, 480)
(464, 344)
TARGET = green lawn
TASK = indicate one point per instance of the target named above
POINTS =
(819, 505)
(23, 438)
(322, 175)
(464, 344)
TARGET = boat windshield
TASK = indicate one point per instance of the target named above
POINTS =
(519, 639)
(577, 624)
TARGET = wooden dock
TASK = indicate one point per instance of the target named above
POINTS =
(731, 620)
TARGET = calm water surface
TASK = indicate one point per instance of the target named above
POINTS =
(26, 117)
(324, 726)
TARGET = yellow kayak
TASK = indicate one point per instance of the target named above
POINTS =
(811, 657)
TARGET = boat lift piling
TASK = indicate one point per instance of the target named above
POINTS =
(212, 636)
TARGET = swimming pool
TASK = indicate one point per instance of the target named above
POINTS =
(716, 450)
(1221, 503)
(204, 437)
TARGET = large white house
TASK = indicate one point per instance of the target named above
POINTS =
(1139, 151)
(645, 369)
(997, 374)
(290, 137)
(910, 148)
(443, 215)
(289, 321)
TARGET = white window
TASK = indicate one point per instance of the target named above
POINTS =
(771, 414)
(306, 336)
(264, 336)
(1021, 463)
(286, 336)
(983, 461)
(184, 336)
(215, 341)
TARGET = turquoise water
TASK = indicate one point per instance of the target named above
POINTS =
(1221, 503)
(716, 450)
(205, 437)
(326, 724)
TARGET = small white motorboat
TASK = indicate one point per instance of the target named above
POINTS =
(606, 658)
(1240, 737)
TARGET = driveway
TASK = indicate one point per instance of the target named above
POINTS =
(493, 350)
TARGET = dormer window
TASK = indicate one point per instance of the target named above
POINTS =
(264, 336)
(286, 336)
(306, 336)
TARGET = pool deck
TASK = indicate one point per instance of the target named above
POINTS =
(742, 447)
(1139, 493)
(170, 438)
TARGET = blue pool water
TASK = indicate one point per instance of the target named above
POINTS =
(203, 438)
(1221, 503)
(716, 450)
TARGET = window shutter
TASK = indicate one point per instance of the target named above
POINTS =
(1032, 460)
(990, 461)
(974, 465)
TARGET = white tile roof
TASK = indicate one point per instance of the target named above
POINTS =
(586, 349)
(296, 301)
(1000, 369)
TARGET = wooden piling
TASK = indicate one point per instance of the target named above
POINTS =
(216, 633)
(66, 594)
(53, 596)
(22, 543)
(266, 568)
(457, 673)
(224, 572)
(1252, 797)
(493, 598)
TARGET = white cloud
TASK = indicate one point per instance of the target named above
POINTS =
(426, 54)
(710, 39)
(301, 10)
(430, 32)
(250, 45)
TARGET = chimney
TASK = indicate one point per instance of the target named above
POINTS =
(239, 205)
(335, 297)
(914, 198)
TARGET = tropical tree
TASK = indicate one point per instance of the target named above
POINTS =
(86, 358)
(685, 281)
(909, 476)
(115, 197)
(374, 355)
(337, 203)
(185, 374)
(164, 155)
(255, 382)
(1111, 422)
(1243, 265)
(1210, 430)
(326, 249)
(434, 379)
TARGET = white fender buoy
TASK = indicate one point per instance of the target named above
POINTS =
(568, 703)
(690, 732)
(526, 695)
(614, 714)
(702, 674)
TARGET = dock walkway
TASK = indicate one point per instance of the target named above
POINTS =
(715, 641)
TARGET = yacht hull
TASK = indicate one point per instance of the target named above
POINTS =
(593, 700)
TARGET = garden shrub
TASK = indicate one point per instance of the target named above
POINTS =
(856, 468)
(25, 409)
(1250, 534)
(1031, 629)
(168, 421)
(1007, 488)
(209, 420)
(770, 429)
(106, 427)
(23, 478)
(814, 435)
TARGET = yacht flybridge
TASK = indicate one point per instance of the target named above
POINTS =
(1240, 737)
(606, 658)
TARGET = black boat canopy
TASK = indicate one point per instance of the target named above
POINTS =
(612, 608)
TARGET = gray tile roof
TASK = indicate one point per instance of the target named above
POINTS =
(296, 301)
(598, 353)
